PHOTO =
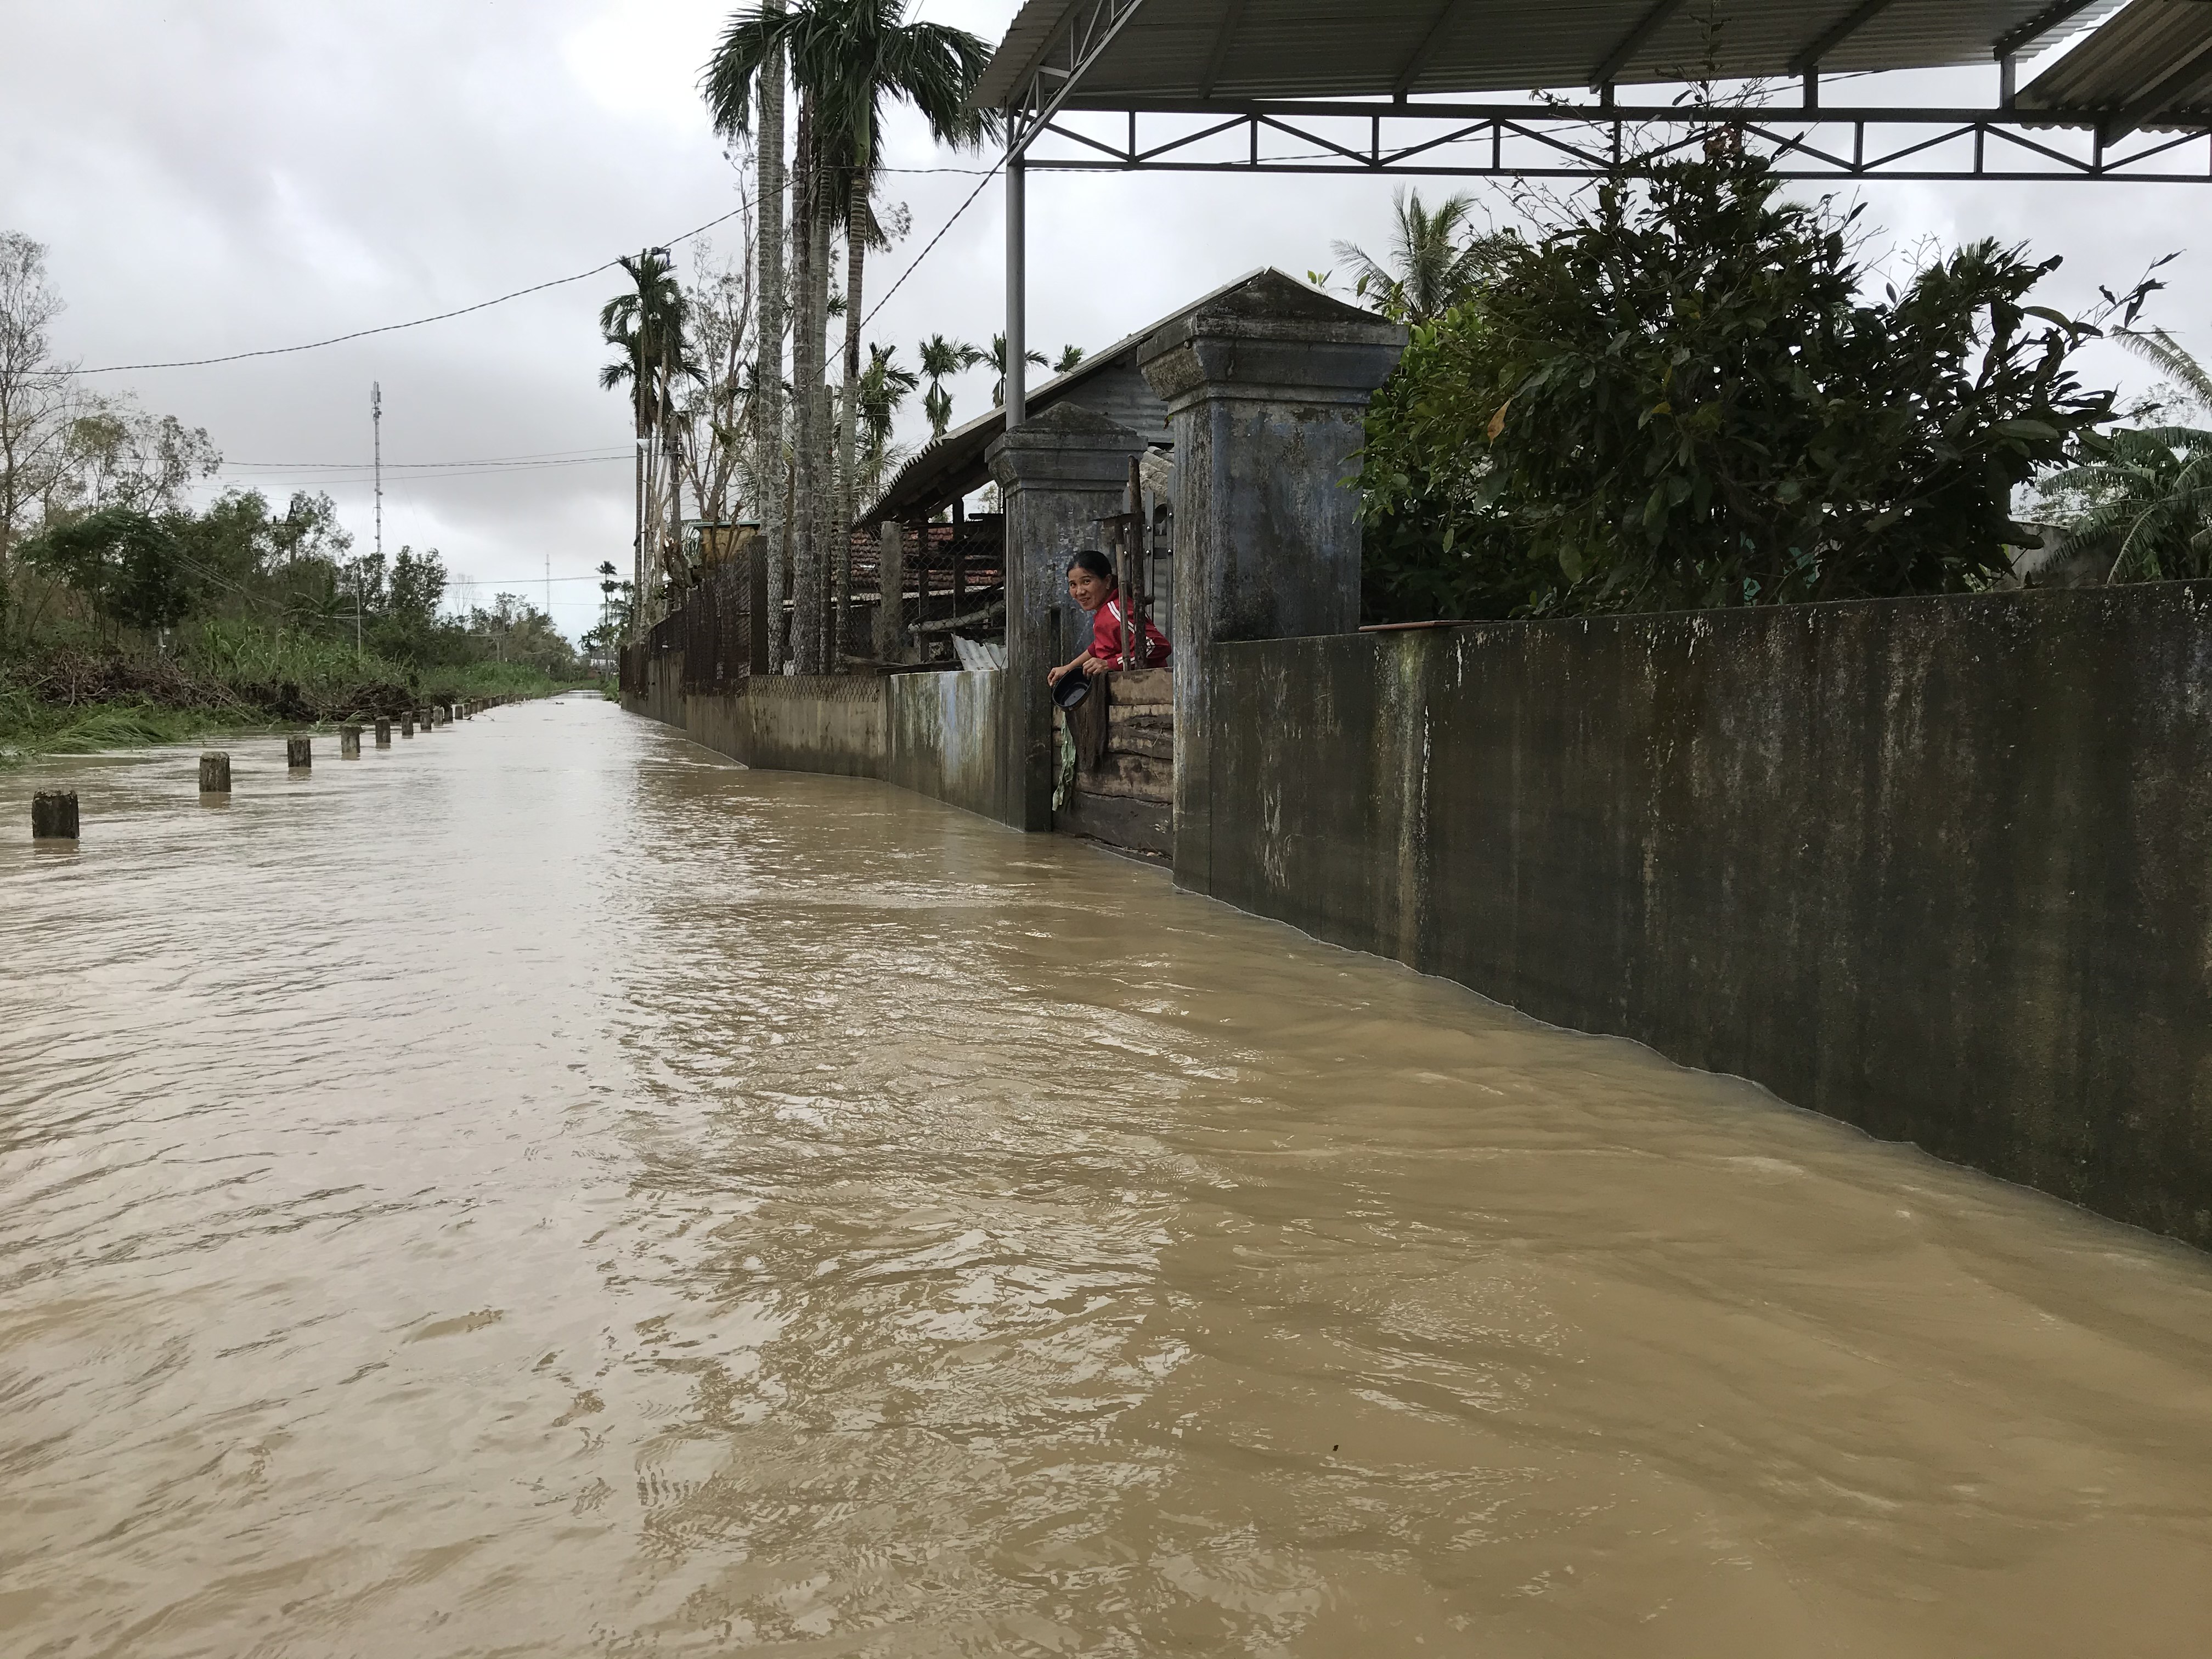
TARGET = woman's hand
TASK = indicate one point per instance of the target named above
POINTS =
(1052, 676)
(1094, 666)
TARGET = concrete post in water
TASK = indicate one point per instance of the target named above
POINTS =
(299, 753)
(407, 724)
(348, 743)
(383, 732)
(1059, 475)
(215, 772)
(1267, 391)
(54, 815)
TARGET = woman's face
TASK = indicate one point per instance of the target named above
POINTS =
(1087, 589)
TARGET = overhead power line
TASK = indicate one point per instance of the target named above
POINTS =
(419, 322)
(592, 452)
(988, 175)
(536, 288)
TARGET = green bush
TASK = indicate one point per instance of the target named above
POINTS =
(1689, 398)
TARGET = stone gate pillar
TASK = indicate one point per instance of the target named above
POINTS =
(1266, 388)
(1058, 474)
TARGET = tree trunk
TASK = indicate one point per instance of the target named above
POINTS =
(768, 373)
(805, 373)
(823, 430)
(637, 545)
(856, 248)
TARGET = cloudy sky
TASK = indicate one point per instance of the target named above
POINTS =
(225, 175)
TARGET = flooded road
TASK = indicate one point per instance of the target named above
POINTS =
(539, 1190)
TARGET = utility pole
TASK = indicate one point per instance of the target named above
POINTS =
(376, 442)
(376, 427)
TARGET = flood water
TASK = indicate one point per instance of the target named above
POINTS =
(541, 1190)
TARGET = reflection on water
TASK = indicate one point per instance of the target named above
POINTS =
(535, 1190)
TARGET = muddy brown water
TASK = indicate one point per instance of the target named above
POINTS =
(539, 1190)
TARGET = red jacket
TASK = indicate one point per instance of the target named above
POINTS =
(1106, 636)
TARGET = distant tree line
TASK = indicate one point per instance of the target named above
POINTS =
(101, 544)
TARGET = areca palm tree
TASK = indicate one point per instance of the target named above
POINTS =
(884, 384)
(997, 358)
(941, 358)
(749, 70)
(847, 59)
(647, 327)
(1437, 259)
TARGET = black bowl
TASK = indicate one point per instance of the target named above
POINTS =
(1071, 689)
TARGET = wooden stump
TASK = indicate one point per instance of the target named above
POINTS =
(299, 753)
(384, 734)
(54, 815)
(348, 743)
(215, 772)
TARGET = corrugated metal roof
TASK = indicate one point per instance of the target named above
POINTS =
(1247, 49)
(950, 467)
(2151, 66)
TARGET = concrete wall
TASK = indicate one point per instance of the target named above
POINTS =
(944, 736)
(1939, 867)
(790, 723)
(815, 723)
(938, 734)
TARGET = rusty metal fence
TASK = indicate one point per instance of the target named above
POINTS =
(720, 627)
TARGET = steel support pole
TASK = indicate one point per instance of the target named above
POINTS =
(1016, 386)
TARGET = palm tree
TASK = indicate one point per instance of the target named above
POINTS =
(997, 358)
(2140, 503)
(1438, 261)
(2144, 504)
(884, 384)
(646, 326)
(1070, 358)
(749, 63)
(941, 358)
(848, 58)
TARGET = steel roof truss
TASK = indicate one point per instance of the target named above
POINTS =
(1090, 28)
(1588, 141)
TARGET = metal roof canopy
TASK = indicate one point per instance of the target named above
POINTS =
(1386, 86)
(1360, 84)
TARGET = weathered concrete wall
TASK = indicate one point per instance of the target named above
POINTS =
(944, 736)
(1941, 868)
(816, 723)
(792, 723)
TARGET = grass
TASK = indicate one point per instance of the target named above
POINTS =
(230, 678)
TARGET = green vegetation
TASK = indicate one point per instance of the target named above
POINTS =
(128, 616)
(845, 59)
(2138, 505)
(1694, 394)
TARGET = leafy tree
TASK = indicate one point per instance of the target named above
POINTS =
(1687, 398)
(34, 390)
(1070, 359)
(128, 564)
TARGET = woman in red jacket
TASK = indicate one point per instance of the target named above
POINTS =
(1090, 584)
